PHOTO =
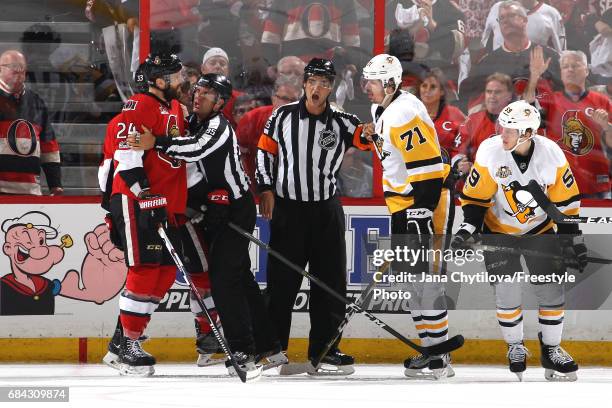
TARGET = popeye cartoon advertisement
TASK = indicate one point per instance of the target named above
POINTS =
(35, 249)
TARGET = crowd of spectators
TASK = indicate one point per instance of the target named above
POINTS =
(465, 59)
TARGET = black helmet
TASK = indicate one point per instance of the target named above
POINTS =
(320, 66)
(219, 83)
(160, 65)
(140, 78)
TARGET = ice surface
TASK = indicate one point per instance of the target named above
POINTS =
(372, 386)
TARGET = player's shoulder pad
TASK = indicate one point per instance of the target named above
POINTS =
(404, 109)
(550, 151)
(488, 150)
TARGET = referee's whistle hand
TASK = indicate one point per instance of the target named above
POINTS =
(266, 204)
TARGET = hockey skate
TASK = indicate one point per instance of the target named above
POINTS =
(517, 359)
(272, 358)
(438, 367)
(247, 363)
(334, 363)
(558, 364)
(111, 358)
(207, 345)
(133, 360)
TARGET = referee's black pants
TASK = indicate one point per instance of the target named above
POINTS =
(307, 233)
(244, 317)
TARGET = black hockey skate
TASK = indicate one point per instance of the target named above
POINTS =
(438, 367)
(517, 359)
(133, 360)
(111, 358)
(558, 364)
(246, 362)
(206, 346)
(335, 362)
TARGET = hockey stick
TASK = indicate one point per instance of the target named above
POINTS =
(530, 252)
(213, 325)
(313, 366)
(555, 214)
(445, 347)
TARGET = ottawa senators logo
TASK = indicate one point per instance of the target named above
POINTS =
(577, 137)
(172, 128)
(521, 202)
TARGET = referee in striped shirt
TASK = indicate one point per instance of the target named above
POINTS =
(300, 152)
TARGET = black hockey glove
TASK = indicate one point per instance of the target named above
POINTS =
(115, 237)
(419, 221)
(574, 251)
(217, 212)
(465, 232)
(152, 211)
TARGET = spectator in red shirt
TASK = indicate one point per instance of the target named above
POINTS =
(251, 126)
(481, 125)
(578, 120)
(216, 61)
(434, 92)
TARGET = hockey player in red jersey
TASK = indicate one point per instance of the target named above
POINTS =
(193, 246)
(147, 189)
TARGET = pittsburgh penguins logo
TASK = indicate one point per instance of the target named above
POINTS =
(21, 138)
(378, 143)
(577, 137)
(521, 202)
(328, 139)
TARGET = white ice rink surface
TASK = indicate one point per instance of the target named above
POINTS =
(372, 386)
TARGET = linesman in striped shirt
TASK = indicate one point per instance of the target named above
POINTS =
(300, 152)
(213, 146)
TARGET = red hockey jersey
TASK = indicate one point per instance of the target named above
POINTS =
(570, 125)
(136, 170)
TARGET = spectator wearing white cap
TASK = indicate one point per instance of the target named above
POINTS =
(216, 61)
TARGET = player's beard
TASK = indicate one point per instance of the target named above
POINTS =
(170, 93)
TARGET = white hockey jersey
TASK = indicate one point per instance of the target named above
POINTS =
(407, 146)
(496, 182)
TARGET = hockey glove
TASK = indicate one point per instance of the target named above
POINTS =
(217, 212)
(466, 231)
(152, 211)
(575, 251)
(115, 237)
(419, 221)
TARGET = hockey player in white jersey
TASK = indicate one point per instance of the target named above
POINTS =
(495, 201)
(405, 140)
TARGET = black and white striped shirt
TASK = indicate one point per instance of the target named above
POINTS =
(213, 145)
(300, 154)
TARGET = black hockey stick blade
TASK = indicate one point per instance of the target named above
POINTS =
(555, 214)
(444, 347)
(213, 325)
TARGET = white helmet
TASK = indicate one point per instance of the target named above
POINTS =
(520, 115)
(384, 67)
